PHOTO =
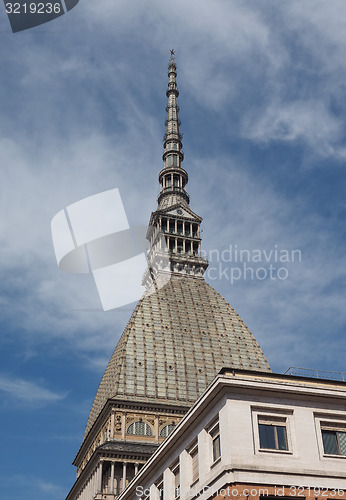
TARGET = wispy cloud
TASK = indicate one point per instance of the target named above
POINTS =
(287, 317)
(37, 487)
(28, 393)
(307, 122)
(244, 77)
(50, 489)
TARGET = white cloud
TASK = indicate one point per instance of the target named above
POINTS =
(307, 121)
(32, 486)
(288, 318)
(92, 124)
(28, 392)
(51, 489)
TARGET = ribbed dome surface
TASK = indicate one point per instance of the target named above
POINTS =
(175, 343)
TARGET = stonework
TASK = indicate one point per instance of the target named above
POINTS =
(228, 430)
(174, 344)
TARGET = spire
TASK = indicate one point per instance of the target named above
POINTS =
(172, 138)
(173, 178)
(174, 229)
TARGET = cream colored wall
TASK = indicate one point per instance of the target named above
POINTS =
(240, 440)
(241, 459)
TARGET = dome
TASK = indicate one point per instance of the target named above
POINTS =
(174, 344)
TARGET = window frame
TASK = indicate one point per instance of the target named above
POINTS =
(146, 426)
(332, 425)
(159, 484)
(193, 452)
(214, 433)
(175, 469)
(273, 423)
(167, 426)
(275, 417)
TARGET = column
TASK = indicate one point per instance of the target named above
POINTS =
(124, 476)
(169, 486)
(156, 426)
(176, 226)
(95, 483)
(123, 421)
(185, 475)
(191, 228)
(99, 478)
(112, 425)
(203, 450)
(112, 478)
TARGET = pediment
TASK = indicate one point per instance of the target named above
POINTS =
(181, 211)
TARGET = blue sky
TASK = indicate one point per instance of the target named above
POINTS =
(263, 110)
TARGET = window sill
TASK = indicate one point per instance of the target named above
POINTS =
(271, 450)
(214, 464)
(327, 455)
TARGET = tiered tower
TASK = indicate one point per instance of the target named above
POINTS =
(180, 335)
(174, 227)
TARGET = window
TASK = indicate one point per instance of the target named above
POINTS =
(334, 440)
(166, 430)
(216, 445)
(159, 486)
(176, 472)
(140, 429)
(272, 433)
(195, 463)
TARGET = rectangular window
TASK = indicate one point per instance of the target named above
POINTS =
(272, 433)
(194, 462)
(334, 441)
(216, 448)
(159, 486)
(215, 436)
(176, 472)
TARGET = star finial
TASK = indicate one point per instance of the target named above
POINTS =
(172, 51)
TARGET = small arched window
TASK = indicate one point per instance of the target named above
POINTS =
(140, 429)
(165, 431)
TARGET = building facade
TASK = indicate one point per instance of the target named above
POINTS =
(180, 335)
(253, 435)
